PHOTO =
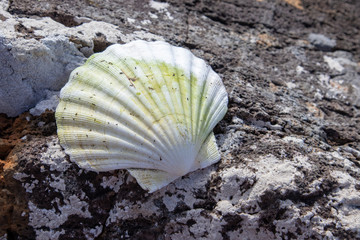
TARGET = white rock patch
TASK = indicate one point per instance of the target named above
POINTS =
(51, 218)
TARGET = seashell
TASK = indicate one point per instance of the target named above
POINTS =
(147, 107)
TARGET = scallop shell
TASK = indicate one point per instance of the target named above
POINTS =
(147, 107)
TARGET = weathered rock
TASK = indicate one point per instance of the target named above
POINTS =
(37, 55)
(30, 63)
(29, 67)
(290, 142)
(299, 190)
(49, 103)
(321, 42)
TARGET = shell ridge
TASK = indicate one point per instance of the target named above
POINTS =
(134, 73)
(111, 142)
(122, 158)
(182, 81)
(161, 81)
(215, 95)
(181, 107)
(200, 109)
(191, 108)
(143, 87)
(168, 112)
(151, 125)
(191, 130)
(101, 111)
(210, 100)
(183, 85)
(94, 126)
(102, 161)
(218, 112)
(146, 107)
(167, 141)
(169, 99)
(208, 154)
(189, 156)
(130, 109)
(152, 180)
(198, 66)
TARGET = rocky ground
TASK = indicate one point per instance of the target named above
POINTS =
(290, 142)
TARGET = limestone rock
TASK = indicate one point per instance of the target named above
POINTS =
(321, 42)
(290, 142)
(38, 54)
(49, 103)
(29, 67)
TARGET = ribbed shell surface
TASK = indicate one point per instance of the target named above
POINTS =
(148, 107)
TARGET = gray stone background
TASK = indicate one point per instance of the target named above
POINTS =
(290, 166)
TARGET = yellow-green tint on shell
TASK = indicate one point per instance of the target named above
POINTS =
(124, 112)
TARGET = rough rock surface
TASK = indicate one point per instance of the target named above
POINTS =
(290, 142)
(31, 64)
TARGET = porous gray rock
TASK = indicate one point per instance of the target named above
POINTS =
(38, 54)
(290, 142)
(49, 103)
(322, 42)
(29, 67)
